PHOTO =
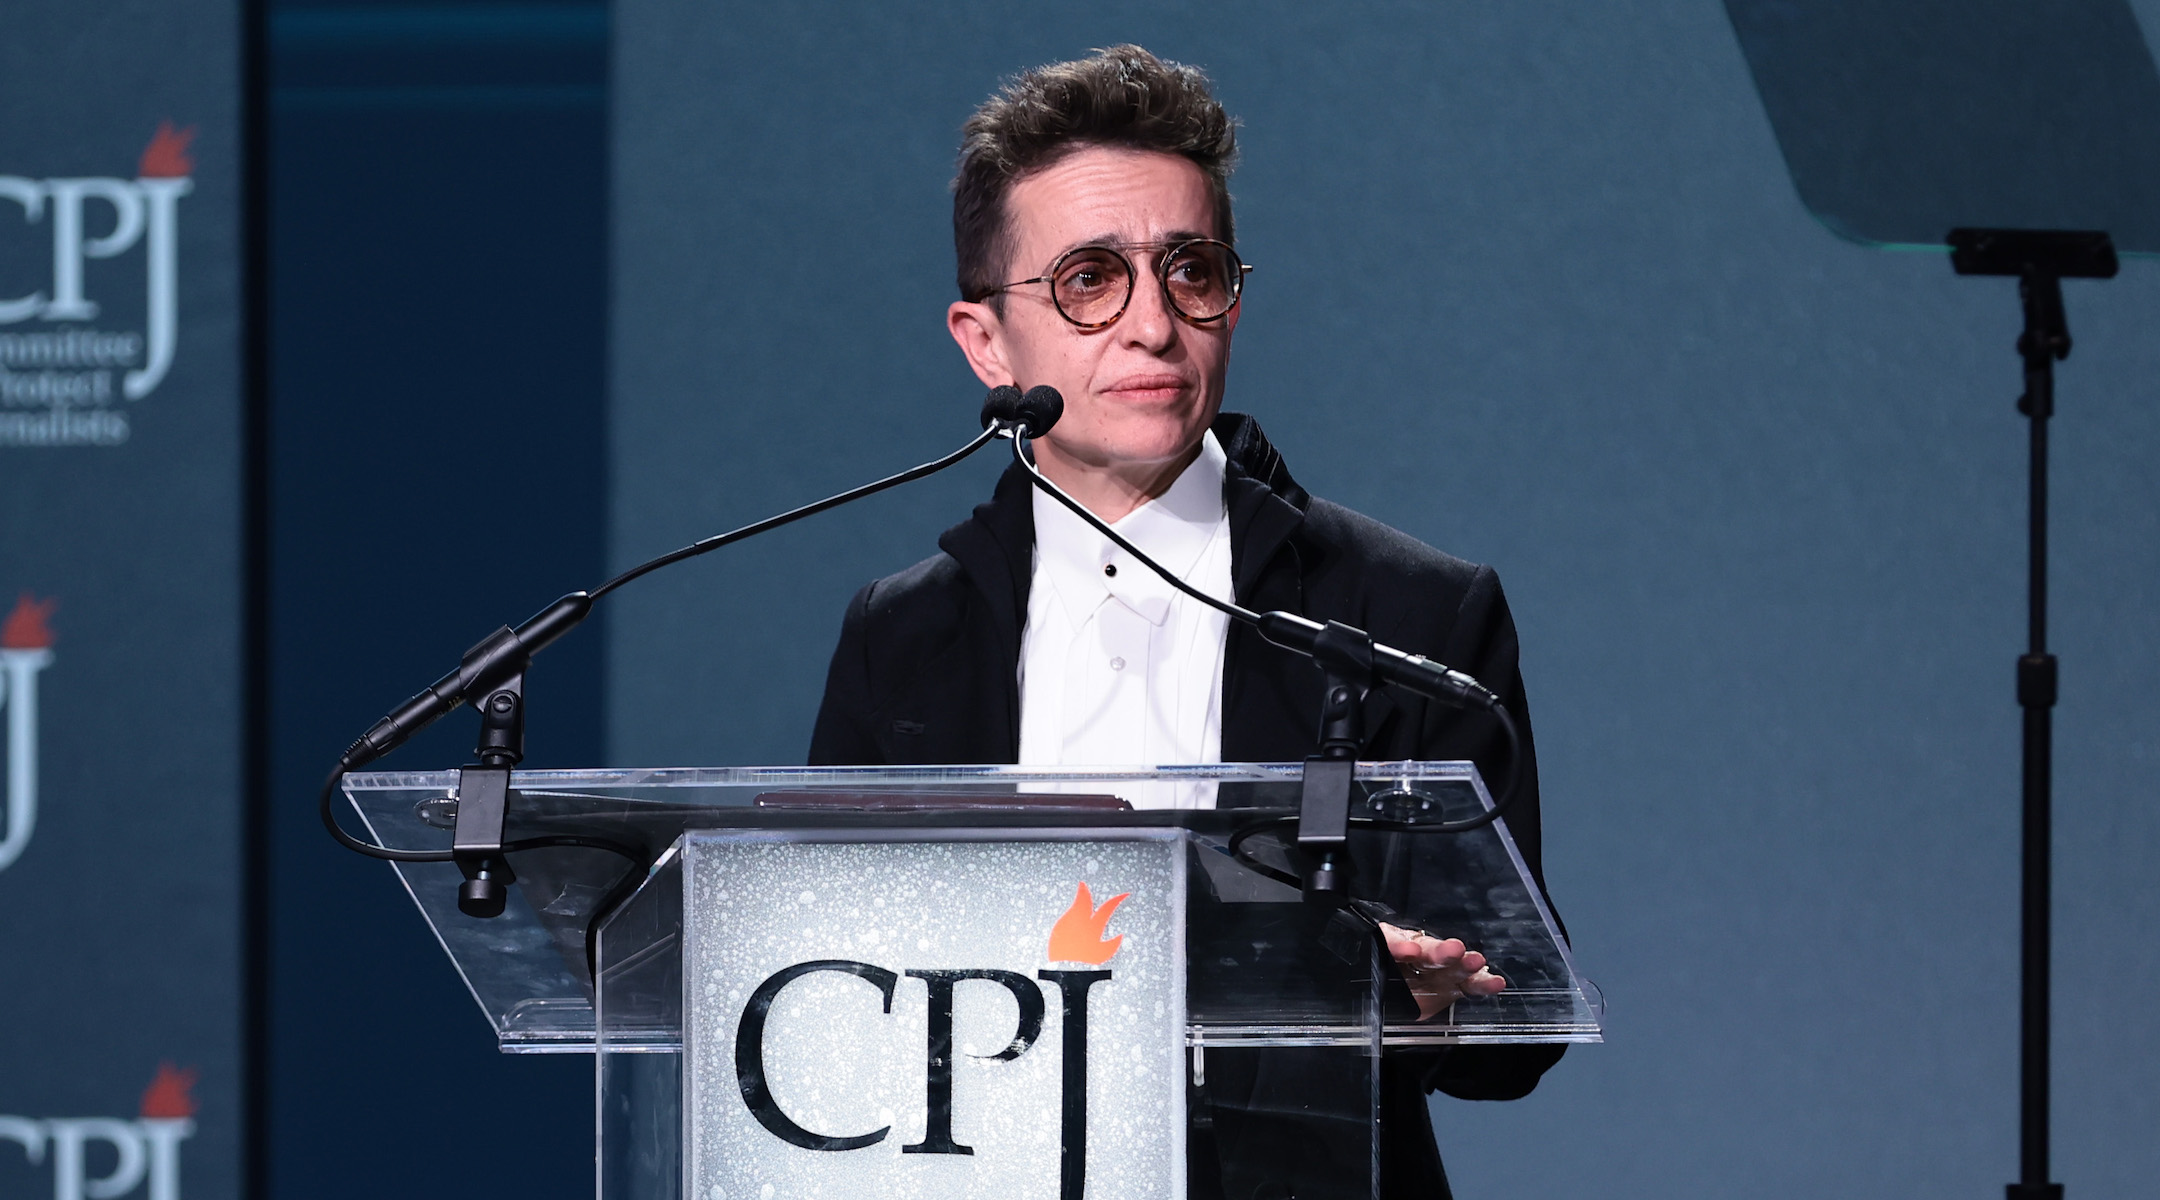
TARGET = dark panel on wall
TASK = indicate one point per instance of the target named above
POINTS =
(1903, 121)
(1536, 288)
(120, 591)
(437, 472)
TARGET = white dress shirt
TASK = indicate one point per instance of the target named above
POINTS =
(1116, 666)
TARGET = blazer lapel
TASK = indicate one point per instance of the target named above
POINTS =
(995, 549)
(1271, 696)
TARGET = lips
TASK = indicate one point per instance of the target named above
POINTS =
(1145, 388)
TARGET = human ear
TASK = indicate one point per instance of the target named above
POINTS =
(980, 333)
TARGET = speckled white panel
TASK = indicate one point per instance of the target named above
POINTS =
(839, 1066)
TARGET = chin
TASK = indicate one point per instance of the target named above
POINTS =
(1152, 441)
(1148, 436)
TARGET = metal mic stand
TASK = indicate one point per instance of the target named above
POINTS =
(2041, 260)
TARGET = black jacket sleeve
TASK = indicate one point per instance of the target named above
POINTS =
(842, 735)
(1483, 642)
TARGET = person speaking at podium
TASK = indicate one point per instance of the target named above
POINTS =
(1093, 229)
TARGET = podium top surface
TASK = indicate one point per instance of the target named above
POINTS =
(529, 969)
(726, 785)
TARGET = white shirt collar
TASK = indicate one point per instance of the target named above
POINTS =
(1173, 529)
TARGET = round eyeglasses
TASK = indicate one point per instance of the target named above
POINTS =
(1092, 285)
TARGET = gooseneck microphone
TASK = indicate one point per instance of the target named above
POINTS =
(508, 648)
(490, 676)
(1344, 652)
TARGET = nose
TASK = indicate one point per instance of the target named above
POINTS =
(1148, 323)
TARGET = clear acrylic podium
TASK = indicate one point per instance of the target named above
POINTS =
(981, 981)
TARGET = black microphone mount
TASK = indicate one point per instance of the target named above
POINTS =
(1351, 665)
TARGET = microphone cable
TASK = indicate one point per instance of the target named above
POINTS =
(1461, 690)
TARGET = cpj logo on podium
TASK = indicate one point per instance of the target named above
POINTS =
(935, 1020)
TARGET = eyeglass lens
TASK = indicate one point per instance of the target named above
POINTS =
(1093, 284)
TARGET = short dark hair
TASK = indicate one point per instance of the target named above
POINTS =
(1122, 96)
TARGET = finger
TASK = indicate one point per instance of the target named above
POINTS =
(1412, 959)
(1446, 954)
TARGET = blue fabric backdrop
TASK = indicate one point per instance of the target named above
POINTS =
(1535, 287)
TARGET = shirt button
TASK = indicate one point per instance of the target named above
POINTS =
(1110, 569)
(1117, 664)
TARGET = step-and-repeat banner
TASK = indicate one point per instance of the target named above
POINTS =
(120, 589)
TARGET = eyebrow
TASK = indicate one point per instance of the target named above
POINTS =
(1114, 242)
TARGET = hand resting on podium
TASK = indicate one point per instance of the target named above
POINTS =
(1440, 971)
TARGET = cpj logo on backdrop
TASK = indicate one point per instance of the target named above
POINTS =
(26, 640)
(68, 377)
(140, 1154)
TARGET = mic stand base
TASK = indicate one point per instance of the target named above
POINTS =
(1324, 827)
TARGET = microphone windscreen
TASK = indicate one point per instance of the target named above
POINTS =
(1000, 405)
(1039, 409)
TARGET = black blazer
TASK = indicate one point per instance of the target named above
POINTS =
(927, 671)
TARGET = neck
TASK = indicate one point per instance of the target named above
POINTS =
(1111, 491)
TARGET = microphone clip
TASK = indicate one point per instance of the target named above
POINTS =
(484, 795)
(1345, 657)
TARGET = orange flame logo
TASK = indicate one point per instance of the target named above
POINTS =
(167, 1096)
(25, 628)
(1078, 935)
(166, 157)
